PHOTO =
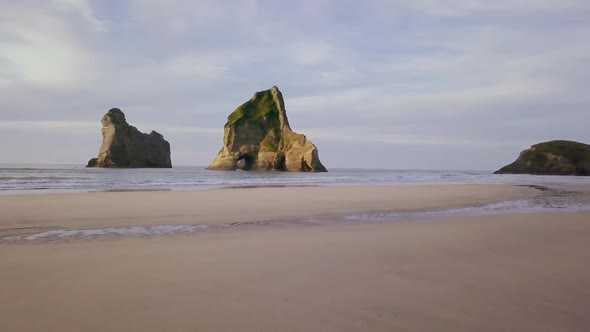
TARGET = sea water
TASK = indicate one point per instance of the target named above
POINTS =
(31, 179)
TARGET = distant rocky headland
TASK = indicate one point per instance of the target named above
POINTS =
(257, 137)
(123, 146)
(552, 158)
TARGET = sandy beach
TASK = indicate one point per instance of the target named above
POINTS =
(518, 272)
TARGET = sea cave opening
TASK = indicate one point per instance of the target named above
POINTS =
(245, 162)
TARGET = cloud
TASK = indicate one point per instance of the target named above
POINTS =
(196, 65)
(39, 45)
(429, 74)
(455, 8)
(48, 125)
(204, 64)
(369, 136)
(380, 101)
(82, 9)
(314, 53)
(94, 126)
(187, 16)
(194, 130)
(60, 62)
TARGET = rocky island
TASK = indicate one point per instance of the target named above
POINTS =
(552, 158)
(257, 137)
(123, 146)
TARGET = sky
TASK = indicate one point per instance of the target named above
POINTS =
(392, 84)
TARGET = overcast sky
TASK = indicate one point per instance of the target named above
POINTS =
(429, 84)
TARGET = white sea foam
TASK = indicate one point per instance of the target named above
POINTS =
(116, 231)
(545, 204)
(516, 206)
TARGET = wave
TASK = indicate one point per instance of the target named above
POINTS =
(79, 179)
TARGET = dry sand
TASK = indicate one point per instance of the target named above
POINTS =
(521, 272)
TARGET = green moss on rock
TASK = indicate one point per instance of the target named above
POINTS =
(260, 105)
(552, 158)
(535, 158)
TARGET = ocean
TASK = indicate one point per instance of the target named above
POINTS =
(42, 179)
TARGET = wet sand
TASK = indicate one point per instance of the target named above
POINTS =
(24, 213)
(513, 272)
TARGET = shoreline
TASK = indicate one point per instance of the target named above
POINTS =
(56, 235)
(225, 206)
(163, 221)
(49, 191)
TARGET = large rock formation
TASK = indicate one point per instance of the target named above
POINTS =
(123, 146)
(552, 158)
(257, 136)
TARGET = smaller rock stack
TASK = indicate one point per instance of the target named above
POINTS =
(123, 146)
